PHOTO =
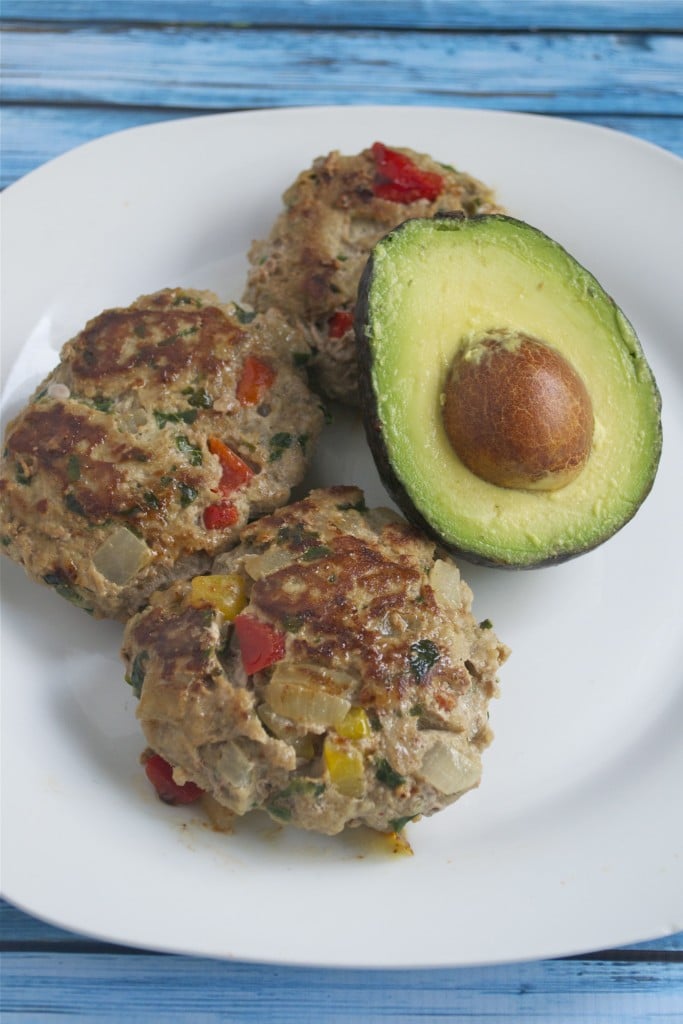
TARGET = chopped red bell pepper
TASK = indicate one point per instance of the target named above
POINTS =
(235, 473)
(260, 643)
(399, 179)
(160, 774)
(256, 378)
(339, 323)
(220, 515)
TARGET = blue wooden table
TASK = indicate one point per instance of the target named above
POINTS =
(78, 69)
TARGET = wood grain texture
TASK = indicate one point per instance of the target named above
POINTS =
(214, 69)
(80, 985)
(498, 15)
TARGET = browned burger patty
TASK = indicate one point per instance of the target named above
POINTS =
(311, 263)
(329, 671)
(164, 429)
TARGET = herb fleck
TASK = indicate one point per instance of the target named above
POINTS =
(297, 535)
(245, 316)
(73, 504)
(184, 416)
(292, 623)
(187, 494)
(73, 469)
(193, 453)
(186, 300)
(398, 824)
(198, 398)
(387, 775)
(280, 442)
(102, 403)
(353, 506)
(321, 551)
(424, 654)
(22, 476)
(136, 677)
(280, 807)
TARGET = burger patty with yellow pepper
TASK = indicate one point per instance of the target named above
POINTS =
(164, 429)
(328, 670)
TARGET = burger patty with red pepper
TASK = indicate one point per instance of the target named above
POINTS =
(328, 671)
(334, 213)
(164, 429)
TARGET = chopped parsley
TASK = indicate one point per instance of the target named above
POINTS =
(280, 807)
(321, 551)
(187, 494)
(282, 441)
(186, 300)
(73, 469)
(102, 403)
(245, 316)
(136, 677)
(184, 416)
(387, 775)
(21, 476)
(292, 623)
(198, 398)
(353, 506)
(398, 824)
(60, 582)
(73, 504)
(151, 500)
(297, 535)
(424, 654)
(192, 451)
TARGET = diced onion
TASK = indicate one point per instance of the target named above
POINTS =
(285, 729)
(310, 694)
(233, 766)
(121, 556)
(282, 728)
(58, 391)
(446, 767)
(259, 566)
(445, 582)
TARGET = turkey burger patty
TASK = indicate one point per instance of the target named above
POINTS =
(164, 429)
(328, 671)
(334, 213)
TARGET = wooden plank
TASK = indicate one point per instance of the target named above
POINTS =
(200, 68)
(32, 135)
(602, 15)
(51, 987)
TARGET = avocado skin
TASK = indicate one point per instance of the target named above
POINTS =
(375, 433)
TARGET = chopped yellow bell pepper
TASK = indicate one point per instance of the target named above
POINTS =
(344, 765)
(226, 593)
(355, 725)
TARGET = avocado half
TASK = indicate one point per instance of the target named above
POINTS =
(430, 287)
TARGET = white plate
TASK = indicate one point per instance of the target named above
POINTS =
(574, 839)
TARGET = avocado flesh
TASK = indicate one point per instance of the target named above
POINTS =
(428, 287)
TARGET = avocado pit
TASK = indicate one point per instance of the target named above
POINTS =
(516, 412)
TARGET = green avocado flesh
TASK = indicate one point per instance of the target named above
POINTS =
(431, 285)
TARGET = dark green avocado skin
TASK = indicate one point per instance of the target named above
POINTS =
(375, 435)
